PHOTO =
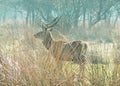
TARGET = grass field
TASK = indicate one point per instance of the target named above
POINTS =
(25, 62)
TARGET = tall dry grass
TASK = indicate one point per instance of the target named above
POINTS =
(25, 62)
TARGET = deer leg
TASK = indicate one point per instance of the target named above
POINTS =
(59, 64)
(82, 71)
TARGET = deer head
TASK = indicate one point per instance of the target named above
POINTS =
(46, 28)
(45, 34)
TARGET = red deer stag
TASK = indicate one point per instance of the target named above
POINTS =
(61, 50)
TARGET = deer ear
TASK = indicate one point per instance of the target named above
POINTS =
(50, 29)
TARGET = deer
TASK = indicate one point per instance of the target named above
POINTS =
(61, 50)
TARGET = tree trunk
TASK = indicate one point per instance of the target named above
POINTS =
(27, 17)
(76, 23)
(89, 21)
(4, 17)
(84, 16)
(33, 17)
(115, 21)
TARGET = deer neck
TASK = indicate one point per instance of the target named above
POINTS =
(48, 40)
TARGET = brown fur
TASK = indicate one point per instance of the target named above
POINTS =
(65, 51)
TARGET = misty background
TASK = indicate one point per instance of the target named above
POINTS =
(80, 19)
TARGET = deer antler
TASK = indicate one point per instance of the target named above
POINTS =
(51, 24)
(54, 22)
